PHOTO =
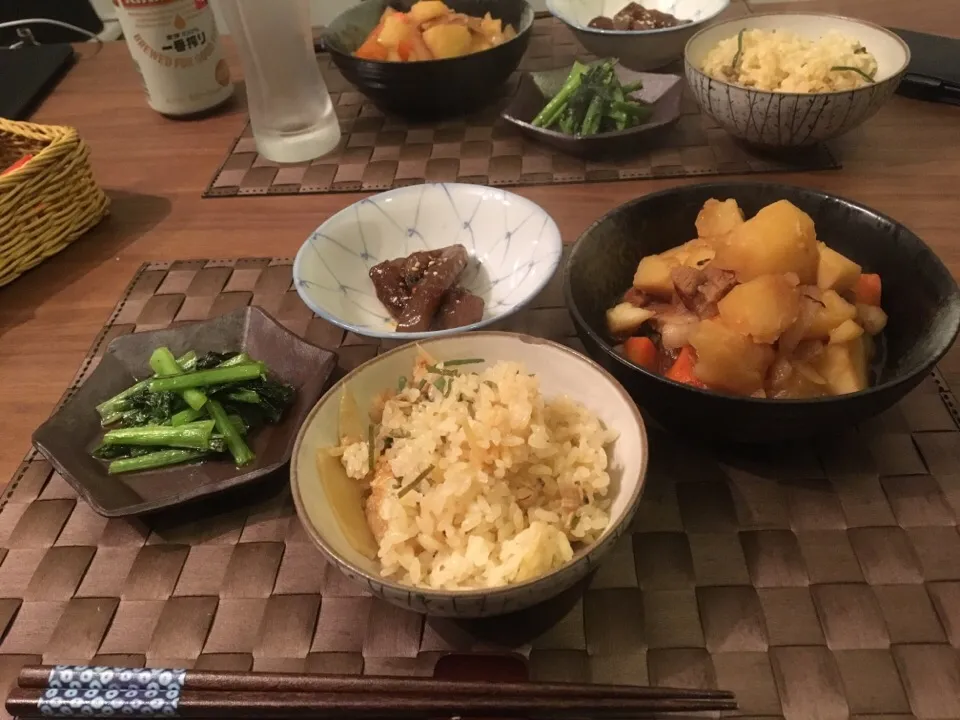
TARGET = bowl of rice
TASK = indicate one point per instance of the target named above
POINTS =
(470, 476)
(782, 80)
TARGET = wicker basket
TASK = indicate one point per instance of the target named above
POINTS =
(50, 201)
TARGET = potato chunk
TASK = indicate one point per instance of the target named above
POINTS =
(718, 217)
(845, 332)
(695, 253)
(844, 366)
(762, 308)
(779, 239)
(426, 10)
(830, 313)
(448, 41)
(836, 272)
(653, 275)
(626, 318)
(727, 360)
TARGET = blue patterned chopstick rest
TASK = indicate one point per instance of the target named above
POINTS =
(92, 702)
(101, 677)
(106, 691)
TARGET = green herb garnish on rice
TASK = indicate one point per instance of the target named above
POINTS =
(416, 481)
(847, 68)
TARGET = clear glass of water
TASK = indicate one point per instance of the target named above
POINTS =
(291, 113)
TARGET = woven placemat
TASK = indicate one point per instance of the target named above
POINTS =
(820, 580)
(378, 153)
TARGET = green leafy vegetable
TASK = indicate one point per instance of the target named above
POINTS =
(168, 419)
(416, 481)
(858, 71)
(154, 460)
(591, 101)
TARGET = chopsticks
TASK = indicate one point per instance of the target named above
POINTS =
(102, 692)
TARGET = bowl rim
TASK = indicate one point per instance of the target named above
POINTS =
(503, 591)
(941, 349)
(551, 7)
(428, 334)
(527, 77)
(829, 16)
(527, 13)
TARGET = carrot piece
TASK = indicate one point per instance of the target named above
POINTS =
(418, 48)
(682, 369)
(371, 49)
(867, 291)
(641, 351)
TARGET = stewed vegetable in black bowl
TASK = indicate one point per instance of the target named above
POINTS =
(449, 79)
(790, 313)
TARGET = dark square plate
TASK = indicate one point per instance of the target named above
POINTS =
(535, 89)
(67, 437)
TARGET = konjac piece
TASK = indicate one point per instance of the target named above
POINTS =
(420, 292)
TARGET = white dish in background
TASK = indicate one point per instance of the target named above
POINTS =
(561, 371)
(514, 248)
(636, 49)
(783, 120)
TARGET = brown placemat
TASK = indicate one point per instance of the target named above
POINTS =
(378, 153)
(816, 581)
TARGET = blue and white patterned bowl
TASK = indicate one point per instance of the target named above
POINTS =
(636, 49)
(514, 248)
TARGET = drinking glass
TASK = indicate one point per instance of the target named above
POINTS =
(291, 113)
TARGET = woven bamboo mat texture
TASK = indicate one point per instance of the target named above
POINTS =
(378, 153)
(820, 580)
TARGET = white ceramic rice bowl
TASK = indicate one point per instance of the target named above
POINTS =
(514, 248)
(561, 371)
(783, 120)
(637, 50)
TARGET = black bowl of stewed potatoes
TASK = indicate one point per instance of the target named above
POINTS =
(789, 313)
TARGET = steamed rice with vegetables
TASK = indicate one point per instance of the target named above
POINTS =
(472, 479)
(782, 61)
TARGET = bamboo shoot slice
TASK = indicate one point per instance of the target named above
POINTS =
(346, 500)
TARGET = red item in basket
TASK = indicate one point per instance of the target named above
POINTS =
(18, 164)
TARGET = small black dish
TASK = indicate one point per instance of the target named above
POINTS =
(66, 438)
(920, 297)
(664, 92)
(429, 89)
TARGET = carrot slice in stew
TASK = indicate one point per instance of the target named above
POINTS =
(868, 289)
(682, 369)
(641, 351)
(371, 49)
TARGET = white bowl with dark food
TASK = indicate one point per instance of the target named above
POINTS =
(504, 468)
(643, 36)
(427, 260)
(783, 80)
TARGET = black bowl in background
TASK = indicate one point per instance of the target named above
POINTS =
(919, 295)
(429, 88)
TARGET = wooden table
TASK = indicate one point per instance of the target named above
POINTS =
(904, 162)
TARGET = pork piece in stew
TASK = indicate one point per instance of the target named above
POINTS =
(420, 291)
(636, 17)
(756, 307)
